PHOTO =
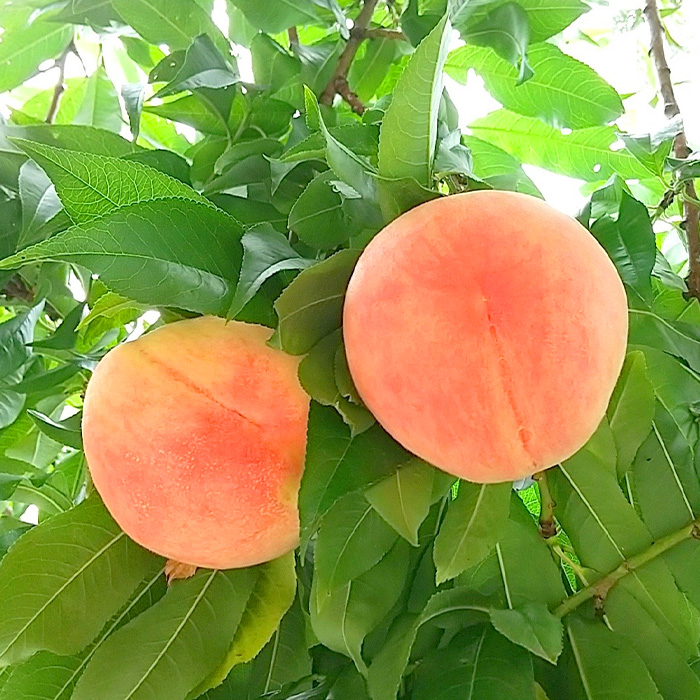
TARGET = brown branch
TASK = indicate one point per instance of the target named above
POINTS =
(60, 63)
(293, 35)
(691, 212)
(17, 288)
(600, 589)
(340, 76)
(382, 33)
(548, 526)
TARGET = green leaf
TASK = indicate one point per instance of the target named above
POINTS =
(110, 311)
(348, 166)
(631, 409)
(603, 665)
(100, 106)
(532, 627)
(65, 432)
(190, 110)
(189, 629)
(478, 665)
(28, 44)
(48, 676)
(352, 538)
(15, 335)
(584, 153)
(270, 599)
(546, 17)
(200, 66)
(285, 659)
(172, 22)
(367, 72)
(277, 17)
(311, 306)
(338, 463)
(625, 231)
(404, 498)
(169, 252)
(593, 511)
(562, 91)
(409, 128)
(265, 253)
(39, 201)
(474, 523)
(665, 464)
(628, 612)
(76, 561)
(134, 95)
(498, 168)
(87, 139)
(318, 217)
(317, 374)
(91, 185)
(343, 617)
(389, 664)
(506, 29)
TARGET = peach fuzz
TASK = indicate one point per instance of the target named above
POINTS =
(195, 436)
(486, 331)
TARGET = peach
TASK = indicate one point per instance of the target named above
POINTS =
(195, 436)
(486, 331)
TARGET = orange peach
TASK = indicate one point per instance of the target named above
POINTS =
(195, 436)
(486, 331)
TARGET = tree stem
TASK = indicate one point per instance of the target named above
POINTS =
(60, 87)
(548, 526)
(601, 587)
(338, 84)
(691, 212)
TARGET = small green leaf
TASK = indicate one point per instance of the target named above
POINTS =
(344, 616)
(404, 498)
(66, 432)
(311, 306)
(631, 409)
(200, 66)
(100, 106)
(278, 17)
(338, 463)
(480, 664)
(532, 627)
(352, 538)
(473, 525)
(265, 253)
(506, 29)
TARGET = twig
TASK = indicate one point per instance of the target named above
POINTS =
(340, 76)
(548, 526)
(691, 212)
(600, 589)
(60, 63)
(293, 35)
(17, 288)
(382, 33)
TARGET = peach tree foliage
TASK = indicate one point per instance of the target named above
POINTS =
(406, 585)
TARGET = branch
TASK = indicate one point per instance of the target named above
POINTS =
(382, 33)
(293, 35)
(60, 63)
(339, 80)
(17, 288)
(691, 212)
(600, 589)
(548, 527)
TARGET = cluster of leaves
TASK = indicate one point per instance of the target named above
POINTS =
(406, 585)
